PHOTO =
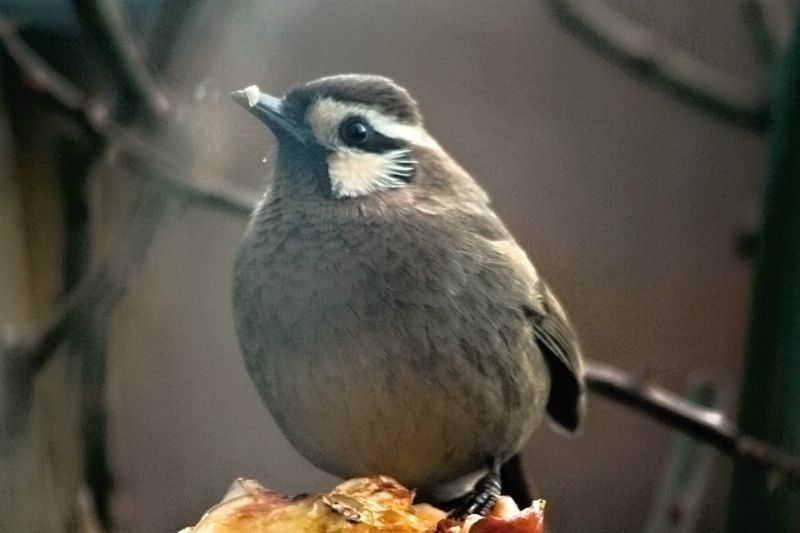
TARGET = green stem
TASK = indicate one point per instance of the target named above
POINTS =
(770, 398)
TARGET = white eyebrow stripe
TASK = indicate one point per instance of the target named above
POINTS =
(325, 115)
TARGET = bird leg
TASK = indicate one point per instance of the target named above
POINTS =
(484, 494)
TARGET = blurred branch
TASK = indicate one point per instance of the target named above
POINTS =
(140, 103)
(81, 319)
(237, 203)
(104, 21)
(769, 22)
(32, 351)
(96, 292)
(655, 58)
(37, 72)
(87, 511)
(174, 21)
(94, 116)
(676, 412)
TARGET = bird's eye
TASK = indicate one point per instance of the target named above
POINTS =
(354, 131)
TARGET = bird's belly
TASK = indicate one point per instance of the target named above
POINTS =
(369, 403)
(372, 363)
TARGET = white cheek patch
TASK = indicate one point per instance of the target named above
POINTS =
(355, 173)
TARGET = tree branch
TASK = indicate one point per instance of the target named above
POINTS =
(40, 344)
(654, 58)
(104, 21)
(31, 351)
(769, 22)
(87, 511)
(142, 103)
(81, 319)
(38, 73)
(94, 116)
(175, 21)
(97, 291)
(703, 424)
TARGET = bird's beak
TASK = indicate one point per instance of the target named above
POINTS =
(269, 110)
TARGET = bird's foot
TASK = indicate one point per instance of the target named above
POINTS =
(483, 496)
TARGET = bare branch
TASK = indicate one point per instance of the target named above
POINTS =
(770, 22)
(227, 200)
(99, 289)
(81, 318)
(102, 287)
(59, 90)
(28, 353)
(46, 81)
(172, 29)
(93, 299)
(87, 511)
(38, 73)
(703, 424)
(653, 57)
(104, 21)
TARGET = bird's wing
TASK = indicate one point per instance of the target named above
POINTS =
(559, 345)
(552, 329)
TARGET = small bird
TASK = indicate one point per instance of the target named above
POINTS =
(388, 318)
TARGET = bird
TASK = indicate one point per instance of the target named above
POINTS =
(387, 317)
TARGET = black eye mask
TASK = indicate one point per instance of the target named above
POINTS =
(357, 132)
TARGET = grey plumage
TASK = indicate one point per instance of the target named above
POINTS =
(399, 330)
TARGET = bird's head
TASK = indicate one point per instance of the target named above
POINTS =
(351, 135)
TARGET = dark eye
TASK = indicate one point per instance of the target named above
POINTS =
(354, 131)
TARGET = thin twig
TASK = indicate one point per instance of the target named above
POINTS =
(37, 72)
(237, 203)
(29, 352)
(174, 21)
(105, 22)
(33, 350)
(48, 82)
(141, 102)
(97, 291)
(87, 511)
(703, 424)
(770, 22)
(739, 101)
(82, 317)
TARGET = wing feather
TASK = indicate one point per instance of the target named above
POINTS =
(557, 340)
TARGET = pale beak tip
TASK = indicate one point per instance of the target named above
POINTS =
(249, 95)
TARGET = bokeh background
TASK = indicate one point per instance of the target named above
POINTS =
(628, 200)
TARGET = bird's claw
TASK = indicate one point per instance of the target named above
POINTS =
(483, 496)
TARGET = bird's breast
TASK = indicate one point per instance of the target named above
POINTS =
(380, 350)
